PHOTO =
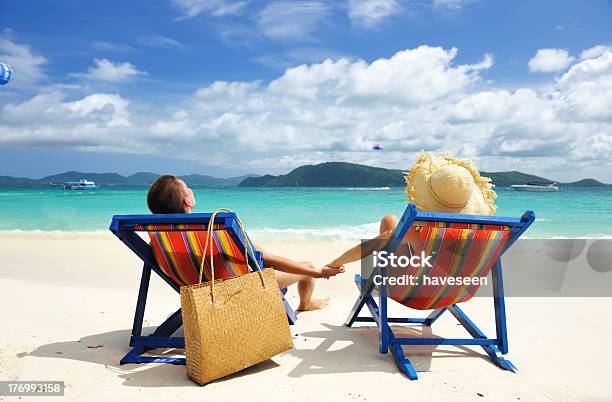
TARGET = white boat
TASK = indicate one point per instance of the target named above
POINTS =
(82, 184)
(536, 187)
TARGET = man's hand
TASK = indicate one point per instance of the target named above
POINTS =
(327, 272)
(324, 272)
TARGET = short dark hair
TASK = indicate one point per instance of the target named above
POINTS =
(166, 196)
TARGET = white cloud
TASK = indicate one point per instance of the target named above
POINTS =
(412, 76)
(586, 89)
(95, 122)
(370, 13)
(157, 40)
(334, 110)
(103, 46)
(292, 20)
(452, 5)
(217, 8)
(600, 65)
(106, 70)
(550, 60)
(115, 105)
(27, 65)
(595, 51)
(597, 149)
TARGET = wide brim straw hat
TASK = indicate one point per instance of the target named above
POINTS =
(447, 184)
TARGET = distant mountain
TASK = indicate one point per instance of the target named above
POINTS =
(585, 183)
(261, 181)
(506, 179)
(117, 180)
(342, 174)
(8, 181)
(331, 174)
(142, 178)
(199, 180)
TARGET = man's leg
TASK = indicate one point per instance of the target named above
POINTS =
(306, 287)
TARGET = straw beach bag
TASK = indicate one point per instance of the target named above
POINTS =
(231, 324)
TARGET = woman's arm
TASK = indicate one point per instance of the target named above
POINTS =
(300, 268)
(362, 250)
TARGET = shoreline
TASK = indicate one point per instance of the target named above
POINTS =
(309, 214)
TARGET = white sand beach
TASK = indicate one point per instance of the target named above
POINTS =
(68, 303)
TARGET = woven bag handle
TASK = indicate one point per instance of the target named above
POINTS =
(247, 248)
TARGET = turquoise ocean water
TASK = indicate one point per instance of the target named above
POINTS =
(306, 212)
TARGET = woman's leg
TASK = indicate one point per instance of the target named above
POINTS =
(306, 286)
(388, 223)
(387, 226)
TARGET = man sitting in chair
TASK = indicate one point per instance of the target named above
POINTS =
(170, 195)
(434, 184)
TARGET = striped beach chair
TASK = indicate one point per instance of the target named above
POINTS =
(174, 252)
(464, 248)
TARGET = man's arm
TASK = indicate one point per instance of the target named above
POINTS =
(300, 268)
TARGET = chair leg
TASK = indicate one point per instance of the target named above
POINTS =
(366, 299)
(133, 355)
(291, 316)
(141, 302)
(500, 307)
(402, 362)
(490, 350)
(433, 316)
(143, 344)
(384, 330)
(169, 326)
(361, 300)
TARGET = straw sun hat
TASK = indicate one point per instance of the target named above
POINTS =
(446, 184)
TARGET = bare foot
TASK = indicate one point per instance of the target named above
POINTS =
(315, 304)
(305, 289)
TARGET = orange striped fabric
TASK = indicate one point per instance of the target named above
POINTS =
(458, 250)
(178, 251)
(167, 227)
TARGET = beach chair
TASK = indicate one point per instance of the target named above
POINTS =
(461, 246)
(175, 254)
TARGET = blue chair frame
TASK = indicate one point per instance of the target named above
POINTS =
(123, 226)
(494, 347)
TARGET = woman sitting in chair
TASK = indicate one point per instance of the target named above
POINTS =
(434, 184)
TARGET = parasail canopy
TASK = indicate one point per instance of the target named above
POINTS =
(377, 147)
(6, 74)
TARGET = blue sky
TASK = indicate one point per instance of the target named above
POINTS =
(230, 87)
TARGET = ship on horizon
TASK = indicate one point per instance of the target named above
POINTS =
(537, 186)
(82, 184)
